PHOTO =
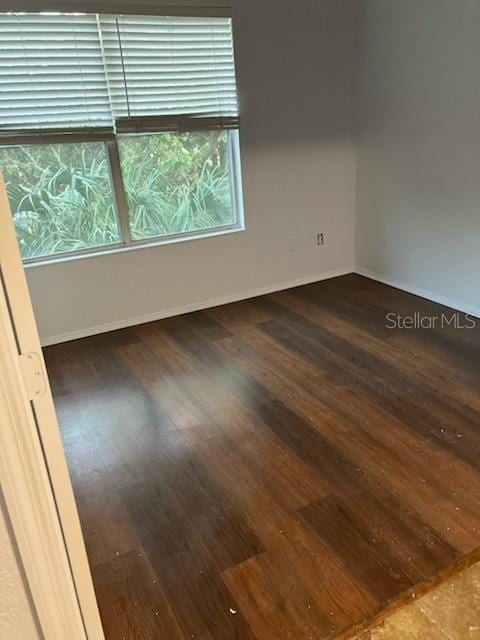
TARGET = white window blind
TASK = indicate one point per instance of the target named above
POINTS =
(169, 72)
(76, 73)
(52, 74)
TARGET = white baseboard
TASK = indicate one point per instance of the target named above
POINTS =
(422, 293)
(198, 306)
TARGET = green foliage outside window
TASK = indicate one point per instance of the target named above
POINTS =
(176, 182)
(61, 197)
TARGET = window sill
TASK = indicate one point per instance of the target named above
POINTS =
(137, 245)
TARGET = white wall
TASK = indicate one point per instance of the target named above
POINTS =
(16, 617)
(418, 216)
(295, 66)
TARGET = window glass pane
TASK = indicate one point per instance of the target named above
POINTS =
(60, 196)
(176, 182)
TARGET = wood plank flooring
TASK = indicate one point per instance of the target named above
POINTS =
(285, 468)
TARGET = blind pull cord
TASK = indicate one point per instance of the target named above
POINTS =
(123, 67)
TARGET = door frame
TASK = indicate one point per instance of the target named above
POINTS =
(33, 470)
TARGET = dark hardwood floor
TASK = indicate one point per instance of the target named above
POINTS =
(277, 469)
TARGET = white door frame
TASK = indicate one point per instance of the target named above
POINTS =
(33, 471)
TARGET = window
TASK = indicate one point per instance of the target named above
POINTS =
(176, 182)
(60, 196)
(117, 130)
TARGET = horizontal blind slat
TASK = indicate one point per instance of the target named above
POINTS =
(71, 71)
(52, 73)
(169, 66)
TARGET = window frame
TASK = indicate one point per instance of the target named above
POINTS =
(122, 212)
(110, 141)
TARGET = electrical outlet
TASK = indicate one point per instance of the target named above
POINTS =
(291, 245)
(320, 239)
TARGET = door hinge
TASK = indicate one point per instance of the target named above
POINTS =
(33, 375)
